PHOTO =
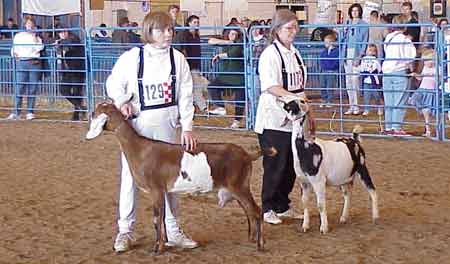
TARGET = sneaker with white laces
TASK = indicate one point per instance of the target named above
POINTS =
(348, 112)
(123, 242)
(30, 116)
(365, 113)
(179, 239)
(290, 213)
(12, 116)
(235, 124)
(272, 218)
(218, 111)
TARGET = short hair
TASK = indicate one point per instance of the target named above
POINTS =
(281, 17)
(253, 24)
(399, 19)
(372, 46)
(408, 4)
(10, 19)
(190, 18)
(330, 36)
(360, 10)
(173, 7)
(441, 21)
(374, 13)
(155, 20)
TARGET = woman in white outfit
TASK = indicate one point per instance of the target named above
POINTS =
(159, 80)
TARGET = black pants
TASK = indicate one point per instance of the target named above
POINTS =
(72, 88)
(216, 95)
(279, 175)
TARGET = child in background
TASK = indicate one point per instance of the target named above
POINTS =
(424, 98)
(329, 66)
(370, 73)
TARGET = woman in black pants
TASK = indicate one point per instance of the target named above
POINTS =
(282, 73)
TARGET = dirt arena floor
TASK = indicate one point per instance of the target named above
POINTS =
(58, 200)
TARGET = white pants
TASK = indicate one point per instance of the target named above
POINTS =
(127, 199)
(200, 88)
(352, 84)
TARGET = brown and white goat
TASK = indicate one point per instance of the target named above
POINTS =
(156, 167)
(319, 163)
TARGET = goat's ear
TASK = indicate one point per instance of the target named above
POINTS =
(96, 127)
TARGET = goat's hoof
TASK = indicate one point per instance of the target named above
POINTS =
(305, 229)
(323, 231)
(343, 220)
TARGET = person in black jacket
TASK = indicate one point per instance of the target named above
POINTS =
(71, 66)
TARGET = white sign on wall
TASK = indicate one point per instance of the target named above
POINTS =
(370, 6)
(50, 7)
(326, 12)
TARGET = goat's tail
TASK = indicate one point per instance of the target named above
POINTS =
(266, 151)
(357, 130)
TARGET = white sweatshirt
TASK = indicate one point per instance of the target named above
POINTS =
(123, 81)
(23, 45)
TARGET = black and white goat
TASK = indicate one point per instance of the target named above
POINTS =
(319, 163)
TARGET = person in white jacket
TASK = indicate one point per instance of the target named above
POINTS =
(158, 79)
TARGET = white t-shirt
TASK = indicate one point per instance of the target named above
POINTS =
(370, 64)
(399, 52)
(270, 114)
(123, 81)
(23, 45)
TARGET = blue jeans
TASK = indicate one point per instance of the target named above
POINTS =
(28, 75)
(371, 91)
(395, 85)
(328, 83)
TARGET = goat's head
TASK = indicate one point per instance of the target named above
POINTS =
(295, 107)
(106, 117)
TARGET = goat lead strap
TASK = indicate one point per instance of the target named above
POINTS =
(284, 73)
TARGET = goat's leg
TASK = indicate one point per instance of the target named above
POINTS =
(254, 215)
(159, 223)
(306, 189)
(368, 184)
(347, 193)
(319, 189)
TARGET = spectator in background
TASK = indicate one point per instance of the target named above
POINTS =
(356, 36)
(121, 35)
(329, 68)
(192, 52)
(399, 57)
(71, 66)
(413, 32)
(133, 35)
(174, 10)
(101, 34)
(26, 50)
(376, 33)
(371, 79)
(259, 44)
(10, 25)
(232, 57)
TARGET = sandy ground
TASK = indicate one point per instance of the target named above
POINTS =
(58, 199)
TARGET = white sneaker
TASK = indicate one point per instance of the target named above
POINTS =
(380, 112)
(218, 111)
(235, 124)
(30, 116)
(365, 113)
(272, 218)
(12, 117)
(290, 213)
(348, 112)
(179, 239)
(123, 242)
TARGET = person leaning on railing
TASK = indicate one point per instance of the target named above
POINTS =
(233, 62)
(26, 49)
